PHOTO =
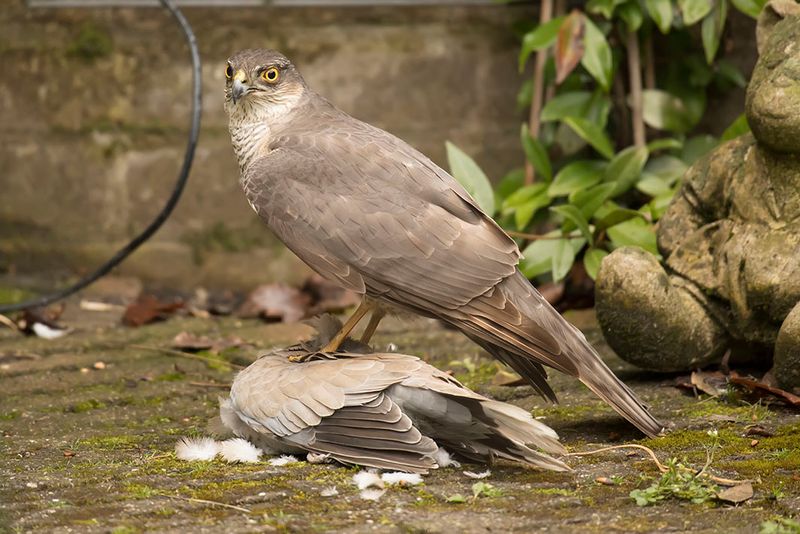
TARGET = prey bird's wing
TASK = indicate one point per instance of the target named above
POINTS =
(336, 407)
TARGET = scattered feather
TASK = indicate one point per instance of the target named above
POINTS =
(46, 332)
(329, 492)
(191, 449)
(283, 460)
(402, 479)
(318, 458)
(484, 474)
(444, 459)
(372, 494)
(366, 479)
(239, 450)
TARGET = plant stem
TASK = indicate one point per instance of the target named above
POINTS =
(537, 237)
(649, 61)
(545, 14)
(635, 79)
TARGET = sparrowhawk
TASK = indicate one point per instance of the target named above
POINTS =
(366, 210)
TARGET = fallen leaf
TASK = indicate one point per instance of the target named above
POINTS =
(712, 383)
(605, 481)
(754, 443)
(99, 365)
(148, 309)
(275, 302)
(737, 494)
(97, 306)
(507, 379)
(69, 454)
(763, 389)
(191, 343)
(758, 430)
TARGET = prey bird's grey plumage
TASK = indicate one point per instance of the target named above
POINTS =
(390, 411)
(366, 210)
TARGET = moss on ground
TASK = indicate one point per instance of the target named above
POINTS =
(102, 444)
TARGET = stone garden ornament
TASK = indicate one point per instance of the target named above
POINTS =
(369, 212)
(730, 239)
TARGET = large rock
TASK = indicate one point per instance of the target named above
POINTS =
(730, 239)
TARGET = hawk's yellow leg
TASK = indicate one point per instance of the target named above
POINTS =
(361, 311)
(376, 317)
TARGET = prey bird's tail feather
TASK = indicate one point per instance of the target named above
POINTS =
(519, 327)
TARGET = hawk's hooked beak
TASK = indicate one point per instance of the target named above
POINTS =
(240, 87)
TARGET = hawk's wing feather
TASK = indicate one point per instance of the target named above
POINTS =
(379, 220)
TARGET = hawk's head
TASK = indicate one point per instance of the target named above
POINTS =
(260, 83)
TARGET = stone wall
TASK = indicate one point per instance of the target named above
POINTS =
(94, 111)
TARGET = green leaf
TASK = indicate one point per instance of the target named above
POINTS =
(661, 13)
(665, 143)
(562, 259)
(512, 181)
(598, 108)
(573, 214)
(589, 200)
(625, 168)
(730, 72)
(456, 499)
(696, 147)
(538, 256)
(592, 259)
(525, 202)
(536, 153)
(659, 204)
(711, 30)
(652, 186)
(667, 168)
(603, 7)
(737, 128)
(471, 177)
(664, 111)
(632, 14)
(576, 176)
(597, 55)
(615, 217)
(634, 232)
(593, 135)
(694, 10)
(565, 105)
(751, 8)
(543, 36)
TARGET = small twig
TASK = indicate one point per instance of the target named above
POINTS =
(537, 100)
(536, 237)
(661, 467)
(649, 62)
(204, 501)
(8, 322)
(187, 355)
(635, 80)
(209, 385)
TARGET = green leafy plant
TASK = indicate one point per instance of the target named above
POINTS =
(592, 182)
(678, 482)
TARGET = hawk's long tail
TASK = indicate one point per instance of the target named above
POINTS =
(519, 327)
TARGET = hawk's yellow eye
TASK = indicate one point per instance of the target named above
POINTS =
(270, 75)
(229, 72)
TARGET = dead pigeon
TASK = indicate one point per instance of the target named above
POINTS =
(384, 410)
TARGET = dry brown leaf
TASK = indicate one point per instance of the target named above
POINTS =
(737, 494)
(569, 45)
(148, 309)
(191, 343)
(276, 302)
(712, 383)
(762, 389)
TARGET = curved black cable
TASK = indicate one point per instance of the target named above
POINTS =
(125, 251)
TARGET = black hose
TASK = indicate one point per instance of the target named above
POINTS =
(125, 251)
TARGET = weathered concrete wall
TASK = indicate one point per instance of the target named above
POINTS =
(94, 110)
(94, 107)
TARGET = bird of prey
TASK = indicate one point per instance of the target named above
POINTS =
(367, 211)
(385, 410)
